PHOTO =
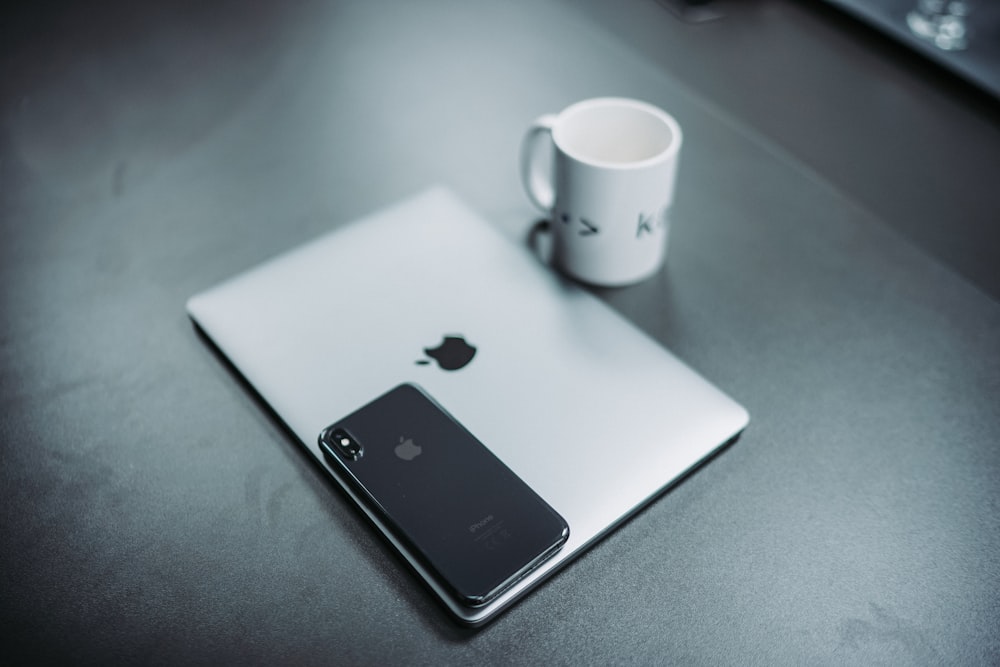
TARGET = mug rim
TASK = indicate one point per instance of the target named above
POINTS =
(671, 150)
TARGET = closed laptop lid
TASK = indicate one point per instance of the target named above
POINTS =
(594, 415)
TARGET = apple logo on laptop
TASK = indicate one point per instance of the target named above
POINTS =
(451, 354)
(407, 449)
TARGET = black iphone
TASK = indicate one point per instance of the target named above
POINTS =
(472, 523)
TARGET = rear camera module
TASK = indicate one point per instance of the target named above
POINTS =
(338, 442)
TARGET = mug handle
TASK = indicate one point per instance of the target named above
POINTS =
(537, 185)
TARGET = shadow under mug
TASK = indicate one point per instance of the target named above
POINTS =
(609, 187)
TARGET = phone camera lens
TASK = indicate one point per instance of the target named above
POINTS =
(337, 441)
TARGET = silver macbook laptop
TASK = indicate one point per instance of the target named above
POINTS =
(593, 415)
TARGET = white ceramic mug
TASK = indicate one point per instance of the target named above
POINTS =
(608, 195)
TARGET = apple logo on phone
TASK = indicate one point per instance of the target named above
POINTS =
(451, 354)
(407, 449)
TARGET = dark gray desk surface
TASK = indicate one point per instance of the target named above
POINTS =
(830, 267)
